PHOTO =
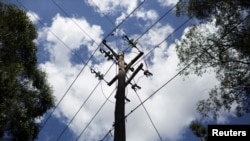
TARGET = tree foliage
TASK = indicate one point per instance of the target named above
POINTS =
(221, 42)
(198, 130)
(24, 92)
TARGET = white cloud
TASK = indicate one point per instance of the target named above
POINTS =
(146, 14)
(110, 6)
(171, 108)
(64, 36)
(167, 2)
(34, 17)
(156, 35)
(113, 7)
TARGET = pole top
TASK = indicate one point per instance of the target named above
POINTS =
(121, 53)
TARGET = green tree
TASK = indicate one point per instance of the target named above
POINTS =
(24, 92)
(220, 43)
(198, 130)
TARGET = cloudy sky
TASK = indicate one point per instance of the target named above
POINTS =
(70, 36)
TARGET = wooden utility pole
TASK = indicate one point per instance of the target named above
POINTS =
(119, 125)
(120, 131)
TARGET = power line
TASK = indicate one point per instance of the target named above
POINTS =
(74, 22)
(191, 62)
(143, 102)
(126, 18)
(94, 116)
(158, 20)
(85, 64)
(75, 80)
(172, 78)
(81, 71)
(149, 117)
(91, 93)
(143, 58)
(77, 54)
(96, 49)
(103, 13)
(72, 85)
(105, 95)
(178, 28)
(58, 38)
(106, 135)
(98, 83)
(165, 14)
(77, 112)
(116, 26)
(92, 54)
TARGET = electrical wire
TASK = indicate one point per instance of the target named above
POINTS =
(105, 95)
(172, 78)
(70, 86)
(158, 20)
(74, 22)
(72, 83)
(77, 54)
(80, 73)
(94, 116)
(91, 57)
(148, 113)
(143, 58)
(98, 83)
(114, 89)
(126, 18)
(76, 79)
(103, 13)
(110, 19)
(165, 14)
(58, 38)
(106, 135)
(178, 28)
(85, 64)
(149, 117)
(116, 26)
(85, 101)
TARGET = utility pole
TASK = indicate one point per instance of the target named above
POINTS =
(123, 68)
(120, 131)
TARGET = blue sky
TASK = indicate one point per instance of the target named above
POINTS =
(71, 31)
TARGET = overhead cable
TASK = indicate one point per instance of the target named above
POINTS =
(178, 73)
(79, 109)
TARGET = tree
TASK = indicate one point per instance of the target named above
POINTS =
(25, 94)
(199, 130)
(220, 43)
